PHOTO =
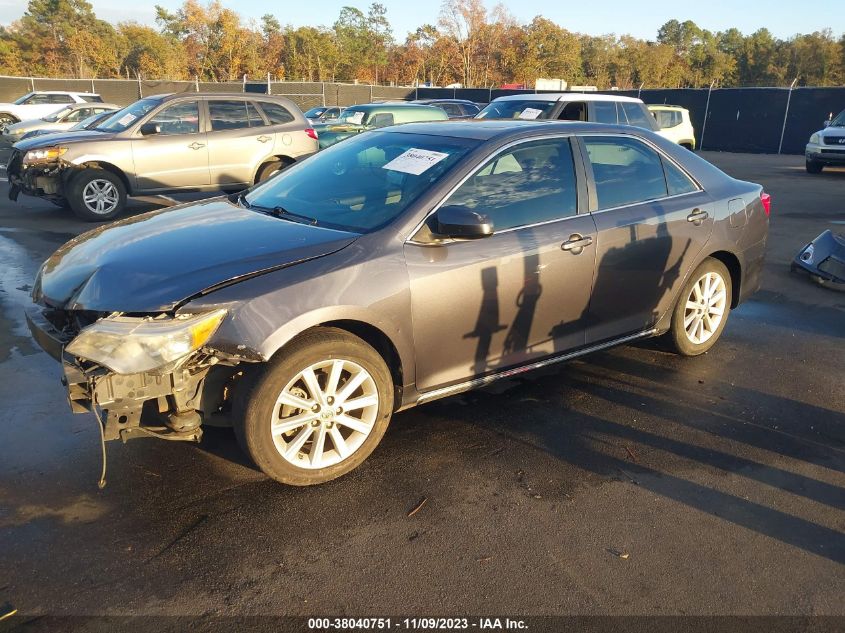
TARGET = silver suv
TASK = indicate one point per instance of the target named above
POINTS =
(163, 144)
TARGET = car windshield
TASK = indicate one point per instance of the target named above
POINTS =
(362, 184)
(839, 121)
(122, 119)
(314, 112)
(351, 115)
(23, 99)
(514, 109)
(52, 118)
(89, 122)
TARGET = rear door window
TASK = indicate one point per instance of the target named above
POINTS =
(637, 115)
(605, 111)
(530, 183)
(228, 115)
(452, 109)
(677, 181)
(381, 119)
(254, 116)
(277, 114)
(60, 99)
(625, 170)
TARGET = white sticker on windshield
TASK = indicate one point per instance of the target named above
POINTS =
(530, 113)
(415, 161)
(356, 118)
(126, 119)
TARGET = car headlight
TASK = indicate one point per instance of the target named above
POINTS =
(45, 154)
(131, 345)
(814, 139)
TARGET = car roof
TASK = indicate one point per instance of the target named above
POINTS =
(63, 92)
(668, 106)
(92, 104)
(428, 101)
(567, 96)
(166, 96)
(392, 105)
(487, 129)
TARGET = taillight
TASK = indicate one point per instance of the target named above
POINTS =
(766, 199)
(311, 132)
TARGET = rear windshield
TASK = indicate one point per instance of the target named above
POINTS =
(517, 109)
(372, 179)
(122, 119)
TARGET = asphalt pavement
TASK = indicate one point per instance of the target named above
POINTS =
(630, 482)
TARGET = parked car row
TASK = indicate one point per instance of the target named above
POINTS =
(40, 103)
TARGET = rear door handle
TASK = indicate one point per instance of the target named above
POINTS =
(576, 243)
(196, 145)
(697, 216)
(263, 139)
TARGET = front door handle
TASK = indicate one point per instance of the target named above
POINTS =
(263, 139)
(196, 145)
(576, 243)
(697, 217)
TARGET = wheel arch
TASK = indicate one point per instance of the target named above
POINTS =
(9, 114)
(109, 167)
(734, 267)
(283, 158)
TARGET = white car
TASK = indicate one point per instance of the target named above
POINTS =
(62, 119)
(34, 105)
(827, 146)
(675, 124)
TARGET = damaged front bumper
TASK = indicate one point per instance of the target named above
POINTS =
(167, 405)
(44, 180)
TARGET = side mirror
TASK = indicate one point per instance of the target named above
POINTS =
(461, 222)
(150, 128)
(826, 123)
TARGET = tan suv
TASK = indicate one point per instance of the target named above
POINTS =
(163, 144)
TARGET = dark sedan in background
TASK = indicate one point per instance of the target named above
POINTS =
(400, 266)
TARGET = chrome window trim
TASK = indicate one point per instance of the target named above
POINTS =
(409, 238)
(699, 189)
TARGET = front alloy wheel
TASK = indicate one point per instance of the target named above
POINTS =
(702, 309)
(317, 410)
(95, 195)
(325, 413)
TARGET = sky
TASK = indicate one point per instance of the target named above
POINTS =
(640, 19)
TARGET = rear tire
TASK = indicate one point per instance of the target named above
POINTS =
(96, 195)
(813, 167)
(6, 120)
(268, 170)
(317, 410)
(702, 309)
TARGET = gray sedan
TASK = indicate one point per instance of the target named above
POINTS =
(398, 267)
(63, 119)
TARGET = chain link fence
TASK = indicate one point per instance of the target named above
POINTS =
(764, 120)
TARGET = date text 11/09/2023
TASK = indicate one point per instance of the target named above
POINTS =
(415, 624)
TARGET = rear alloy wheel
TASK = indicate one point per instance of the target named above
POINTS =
(318, 412)
(96, 195)
(813, 167)
(271, 169)
(702, 310)
(6, 120)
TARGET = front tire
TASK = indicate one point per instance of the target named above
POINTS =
(813, 167)
(6, 120)
(96, 195)
(317, 410)
(702, 309)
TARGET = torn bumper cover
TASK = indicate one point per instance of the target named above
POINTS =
(824, 260)
(40, 179)
(166, 405)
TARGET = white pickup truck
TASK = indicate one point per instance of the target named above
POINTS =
(40, 103)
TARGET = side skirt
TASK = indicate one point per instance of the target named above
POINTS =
(475, 383)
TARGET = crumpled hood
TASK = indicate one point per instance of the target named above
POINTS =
(155, 261)
(48, 140)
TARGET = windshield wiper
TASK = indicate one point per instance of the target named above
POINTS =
(280, 212)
